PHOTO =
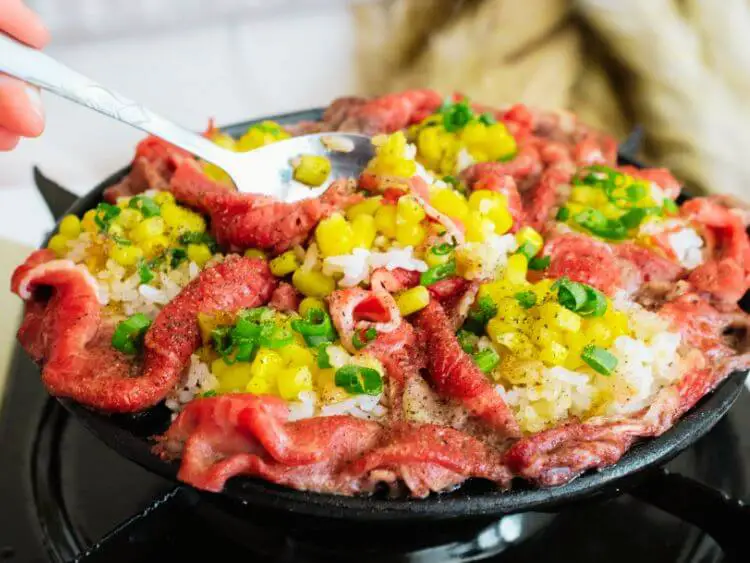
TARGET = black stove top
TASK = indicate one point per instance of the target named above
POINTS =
(64, 496)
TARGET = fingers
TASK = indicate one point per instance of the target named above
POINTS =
(23, 24)
(21, 110)
(8, 140)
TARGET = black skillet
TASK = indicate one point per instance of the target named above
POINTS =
(637, 472)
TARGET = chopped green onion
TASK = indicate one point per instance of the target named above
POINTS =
(209, 393)
(128, 336)
(633, 218)
(456, 116)
(358, 380)
(539, 263)
(486, 360)
(177, 256)
(442, 249)
(221, 341)
(144, 273)
(528, 249)
(437, 273)
(450, 180)
(368, 335)
(105, 214)
(596, 303)
(467, 340)
(324, 360)
(199, 238)
(245, 350)
(481, 312)
(316, 328)
(562, 214)
(258, 314)
(600, 360)
(120, 240)
(670, 206)
(595, 221)
(145, 205)
(635, 192)
(527, 299)
(571, 295)
(273, 336)
(244, 328)
(487, 119)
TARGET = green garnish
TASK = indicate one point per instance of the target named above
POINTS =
(467, 340)
(527, 299)
(128, 336)
(450, 180)
(177, 256)
(199, 238)
(487, 119)
(120, 240)
(580, 298)
(144, 272)
(358, 380)
(562, 214)
(600, 360)
(528, 249)
(324, 360)
(442, 249)
(456, 116)
(361, 339)
(316, 328)
(486, 360)
(479, 315)
(437, 273)
(596, 303)
(105, 214)
(670, 207)
(539, 262)
(209, 393)
(145, 205)
(594, 221)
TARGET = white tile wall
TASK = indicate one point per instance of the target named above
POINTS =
(229, 71)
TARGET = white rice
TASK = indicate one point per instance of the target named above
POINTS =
(357, 266)
(197, 379)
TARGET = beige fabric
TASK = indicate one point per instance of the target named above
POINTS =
(681, 68)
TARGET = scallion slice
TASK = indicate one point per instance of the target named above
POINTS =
(145, 205)
(437, 273)
(128, 335)
(600, 360)
(486, 360)
(527, 299)
(358, 380)
(571, 295)
(539, 262)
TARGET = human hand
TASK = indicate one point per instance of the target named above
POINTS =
(21, 113)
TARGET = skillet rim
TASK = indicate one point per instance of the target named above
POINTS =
(128, 436)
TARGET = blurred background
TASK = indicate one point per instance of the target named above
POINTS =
(678, 68)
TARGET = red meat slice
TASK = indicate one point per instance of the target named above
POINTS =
(428, 458)
(285, 298)
(250, 221)
(640, 265)
(455, 376)
(726, 273)
(66, 334)
(500, 178)
(542, 200)
(584, 260)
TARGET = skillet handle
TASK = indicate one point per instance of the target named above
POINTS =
(725, 519)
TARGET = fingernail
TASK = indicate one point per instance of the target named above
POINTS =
(35, 99)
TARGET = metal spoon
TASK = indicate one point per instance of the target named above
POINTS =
(266, 170)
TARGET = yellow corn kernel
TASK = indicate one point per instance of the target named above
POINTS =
(478, 227)
(126, 255)
(432, 259)
(511, 315)
(325, 385)
(154, 246)
(528, 234)
(255, 253)
(311, 170)
(413, 300)
(516, 269)
(541, 334)
(366, 207)
(484, 201)
(163, 197)
(558, 317)
(293, 381)
(88, 222)
(597, 332)
(266, 365)
(385, 220)
(58, 244)
(502, 219)
(451, 203)
(232, 377)
(429, 145)
(517, 344)
(410, 234)
(334, 236)
(128, 218)
(70, 226)
(284, 264)
(296, 355)
(199, 253)
(616, 320)
(553, 353)
(497, 290)
(192, 222)
(172, 214)
(586, 195)
(500, 143)
(363, 231)
(312, 283)
(409, 210)
(309, 303)
(151, 227)
(542, 289)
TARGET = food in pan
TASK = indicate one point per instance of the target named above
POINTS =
(493, 297)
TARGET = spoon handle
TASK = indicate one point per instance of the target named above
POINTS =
(45, 72)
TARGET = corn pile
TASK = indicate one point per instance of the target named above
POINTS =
(456, 131)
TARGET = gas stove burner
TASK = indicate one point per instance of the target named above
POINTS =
(75, 499)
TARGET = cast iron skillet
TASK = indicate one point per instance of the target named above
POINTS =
(129, 435)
